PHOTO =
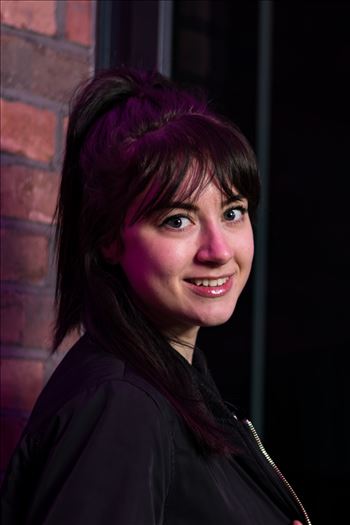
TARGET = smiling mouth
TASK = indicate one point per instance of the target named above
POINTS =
(209, 282)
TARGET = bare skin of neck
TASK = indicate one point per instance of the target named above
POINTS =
(184, 342)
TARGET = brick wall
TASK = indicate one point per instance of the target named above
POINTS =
(47, 48)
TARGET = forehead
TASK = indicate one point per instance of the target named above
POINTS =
(156, 199)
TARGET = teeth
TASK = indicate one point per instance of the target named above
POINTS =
(210, 282)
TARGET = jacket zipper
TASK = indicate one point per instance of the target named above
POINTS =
(276, 469)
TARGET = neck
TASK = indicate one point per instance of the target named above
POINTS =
(184, 350)
(184, 342)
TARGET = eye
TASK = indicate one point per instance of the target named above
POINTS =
(235, 214)
(176, 222)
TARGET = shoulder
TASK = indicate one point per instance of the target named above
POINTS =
(98, 429)
(91, 381)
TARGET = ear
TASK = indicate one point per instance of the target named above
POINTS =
(111, 252)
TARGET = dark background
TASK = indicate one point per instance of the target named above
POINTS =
(215, 46)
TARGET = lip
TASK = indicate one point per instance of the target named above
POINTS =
(211, 291)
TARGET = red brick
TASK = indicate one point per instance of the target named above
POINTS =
(27, 193)
(24, 256)
(28, 131)
(31, 67)
(78, 21)
(27, 320)
(21, 383)
(12, 317)
(12, 428)
(39, 317)
(65, 126)
(35, 15)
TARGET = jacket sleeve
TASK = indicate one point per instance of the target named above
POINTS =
(108, 461)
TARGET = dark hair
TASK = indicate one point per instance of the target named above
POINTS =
(128, 130)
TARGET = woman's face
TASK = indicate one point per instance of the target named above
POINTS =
(188, 264)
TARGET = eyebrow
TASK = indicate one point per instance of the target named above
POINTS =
(188, 206)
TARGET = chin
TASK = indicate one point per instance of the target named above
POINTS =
(214, 318)
(214, 322)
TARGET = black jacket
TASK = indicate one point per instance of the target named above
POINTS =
(104, 447)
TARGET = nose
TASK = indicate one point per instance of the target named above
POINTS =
(215, 246)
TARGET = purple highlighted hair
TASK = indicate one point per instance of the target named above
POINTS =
(128, 132)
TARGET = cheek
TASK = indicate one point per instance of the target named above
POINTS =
(145, 261)
(251, 249)
(247, 250)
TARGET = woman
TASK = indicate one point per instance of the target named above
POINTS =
(154, 241)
